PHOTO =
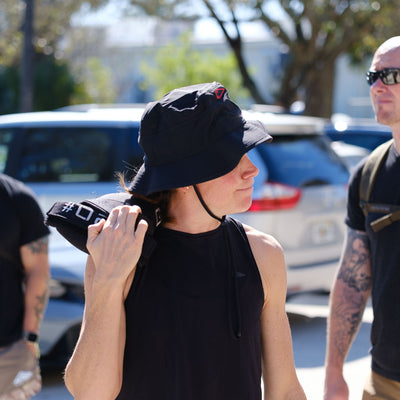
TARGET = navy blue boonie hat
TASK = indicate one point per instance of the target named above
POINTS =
(191, 135)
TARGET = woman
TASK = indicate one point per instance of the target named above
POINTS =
(205, 318)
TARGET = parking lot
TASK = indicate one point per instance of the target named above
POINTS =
(307, 314)
(299, 198)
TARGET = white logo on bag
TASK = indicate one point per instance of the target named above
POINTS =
(84, 212)
(22, 377)
(68, 207)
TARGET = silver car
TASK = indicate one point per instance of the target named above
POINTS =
(299, 194)
(299, 198)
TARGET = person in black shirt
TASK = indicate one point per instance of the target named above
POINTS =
(24, 275)
(371, 259)
(205, 318)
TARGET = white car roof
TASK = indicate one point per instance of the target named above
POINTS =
(58, 117)
(287, 123)
(275, 123)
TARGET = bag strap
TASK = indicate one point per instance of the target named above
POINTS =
(367, 182)
(370, 172)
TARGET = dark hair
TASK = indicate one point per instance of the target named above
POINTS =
(161, 199)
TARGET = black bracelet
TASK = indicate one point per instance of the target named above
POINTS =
(31, 337)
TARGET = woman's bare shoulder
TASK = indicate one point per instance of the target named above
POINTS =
(269, 256)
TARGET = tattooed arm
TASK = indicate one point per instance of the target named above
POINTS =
(35, 260)
(349, 295)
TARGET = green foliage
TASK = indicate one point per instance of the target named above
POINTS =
(178, 64)
(51, 20)
(53, 85)
(9, 95)
(95, 84)
(314, 32)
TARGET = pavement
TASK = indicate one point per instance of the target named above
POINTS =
(307, 315)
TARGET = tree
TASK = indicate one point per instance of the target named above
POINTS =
(52, 19)
(26, 65)
(315, 32)
(53, 85)
(24, 32)
(95, 84)
(185, 66)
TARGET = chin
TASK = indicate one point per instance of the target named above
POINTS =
(244, 208)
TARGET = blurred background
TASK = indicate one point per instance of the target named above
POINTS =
(301, 55)
(298, 66)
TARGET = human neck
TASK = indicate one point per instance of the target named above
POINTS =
(186, 214)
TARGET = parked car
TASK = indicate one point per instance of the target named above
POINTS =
(349, 153)
(66, 155)
(363, 132)
(300, 197)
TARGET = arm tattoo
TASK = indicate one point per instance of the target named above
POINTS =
(355, 273)
(39, 246)
(41, 304)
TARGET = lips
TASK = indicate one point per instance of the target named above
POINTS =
(381, 101)
(245, 189)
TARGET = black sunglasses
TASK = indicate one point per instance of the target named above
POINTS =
(389, 76)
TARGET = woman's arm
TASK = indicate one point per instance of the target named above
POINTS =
(279, 374)
(95, 368)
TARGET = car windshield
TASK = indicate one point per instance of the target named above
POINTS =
(302, 161)
(73, 154)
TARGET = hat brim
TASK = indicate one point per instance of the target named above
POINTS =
(217, 160)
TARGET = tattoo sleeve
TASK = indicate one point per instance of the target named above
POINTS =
(35, 261)
(352, 290)
(39, 246)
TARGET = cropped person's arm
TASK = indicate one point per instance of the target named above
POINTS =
(279, 374)
(351, 290)
(95, 368)
(34, 257)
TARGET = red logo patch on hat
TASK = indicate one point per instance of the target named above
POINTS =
(219, 92)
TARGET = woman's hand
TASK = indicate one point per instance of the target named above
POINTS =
(115, 245)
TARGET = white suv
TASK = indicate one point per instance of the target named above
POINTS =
(299, 195)
(300, 198)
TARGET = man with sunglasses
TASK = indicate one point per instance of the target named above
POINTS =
(370, 263)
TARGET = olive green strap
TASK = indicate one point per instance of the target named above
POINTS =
(384, 221)
(370, 171)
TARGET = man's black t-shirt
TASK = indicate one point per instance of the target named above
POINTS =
(21, 223)
(385, 261)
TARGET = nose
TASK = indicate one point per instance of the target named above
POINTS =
(378, 85)
(249, 169)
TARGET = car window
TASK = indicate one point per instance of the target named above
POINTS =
(302, 161)
(5, 140)
(134, 157)
(67, 155)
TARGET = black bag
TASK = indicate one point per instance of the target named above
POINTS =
(72, 219)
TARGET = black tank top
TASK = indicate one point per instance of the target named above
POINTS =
(184, 314)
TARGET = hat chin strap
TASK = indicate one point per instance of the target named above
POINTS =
(232, 275)
(203, 203)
